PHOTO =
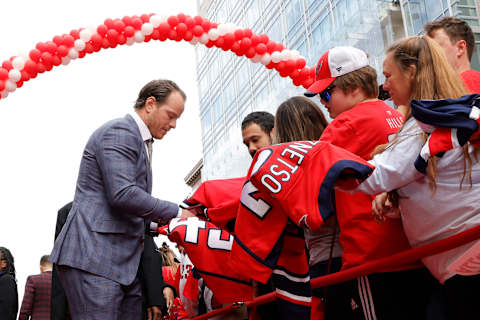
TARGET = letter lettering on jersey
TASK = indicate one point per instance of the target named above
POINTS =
(292, 155)
(285, 163)
(191, 228)
(279, 173)
(258, 207)
(274, 186)
(304, 148)
(215, 240)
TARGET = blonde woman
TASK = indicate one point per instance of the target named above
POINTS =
(445, 202)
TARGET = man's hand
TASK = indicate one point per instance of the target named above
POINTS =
(187, 214)
(154, 313)
(169, 297)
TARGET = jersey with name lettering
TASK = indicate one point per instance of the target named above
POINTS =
(208, 248)
(288, 182)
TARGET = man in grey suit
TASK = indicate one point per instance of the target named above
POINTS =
(98, 250)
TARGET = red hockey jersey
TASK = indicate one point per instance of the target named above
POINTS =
(292, 181)
(208, 248)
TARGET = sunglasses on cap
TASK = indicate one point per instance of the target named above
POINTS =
(325, 94)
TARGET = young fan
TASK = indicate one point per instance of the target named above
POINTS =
(348, 88)
(445, 202)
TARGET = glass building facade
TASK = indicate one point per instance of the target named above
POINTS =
(231, 87)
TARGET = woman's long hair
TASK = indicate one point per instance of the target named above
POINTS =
(6, 255)
(298, 118)
(434, 79)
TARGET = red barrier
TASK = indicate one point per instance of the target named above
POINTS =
(377, 265)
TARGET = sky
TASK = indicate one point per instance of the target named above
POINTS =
(45, 124)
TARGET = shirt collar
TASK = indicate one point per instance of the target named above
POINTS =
(144, 132)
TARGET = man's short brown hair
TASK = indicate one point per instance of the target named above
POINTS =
(364, 78)
(456, 30)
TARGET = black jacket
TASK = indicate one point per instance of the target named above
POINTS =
(8, 297)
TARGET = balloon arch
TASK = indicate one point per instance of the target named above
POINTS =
(129, 30)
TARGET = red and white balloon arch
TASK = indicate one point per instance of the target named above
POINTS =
(129, 30)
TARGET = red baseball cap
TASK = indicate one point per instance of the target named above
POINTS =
(334, 63)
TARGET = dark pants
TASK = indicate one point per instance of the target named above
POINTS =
(463, 297)
(93, 297)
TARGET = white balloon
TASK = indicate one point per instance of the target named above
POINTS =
(285, 55)
(10, 86)
(130, 41)
(265, 59)
(203, 39)
(138, 36)
(18, 63)
(213, 34)
(4, 94)
(79, 44)
(194, 41)
(66, 60)
(157, 19)
(276, 57)
(14, 75)
(222, 29)
(147, 29)
(86, 35)
(73, 53)
(256, 58)
(295, 54)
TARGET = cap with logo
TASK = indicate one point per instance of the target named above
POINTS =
(334, 63)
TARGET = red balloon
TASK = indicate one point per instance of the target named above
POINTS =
(48, 67)
(121, 39)
(290, 65)
(112, 44)
(109, 23)
(2, 85)
(255, 39)
(102, 29)
(19, 84)
(41, 46)
(209, 44)
(250, 52)
(206, 25)
(300, 63)
(307, 83)
(68, 40)
(41, 68)
(271, 65)
(172, 34)
(7, 65)
(197, 31)
(145, 18)
(75, 34)
(179, 37)
(118, 25)
(127, 20)
(105, 43)
(164, 28)
(304, 73)
(137, 23)
(51, 47)
(198, 20)
(35, 55)
(188, 36)
(155, 34)
(30, 67)
(229, 40)
(112, 35)
(147, 39)
(247, 32)
(295, 74)
(96, 39)
(236, 49)
(264, 38)
(96, 47)
(58, 40)
(219, 42)
(280, 47)
(181, 28)
(46, 58)
(129, 31)
(63, 51)
(172, 21)
(297, 82)
(280, 66)
(3, 74)
(239, 35)
(271, 46)
(81, 54)
(181, 17)
(190, 22)
(261, 48)
(56, 61)
(245, 44)
(163, 37)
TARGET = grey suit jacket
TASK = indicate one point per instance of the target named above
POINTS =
(104, 230)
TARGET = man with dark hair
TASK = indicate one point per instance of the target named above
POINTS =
(457, 40)
(257, 130)
(98, 250)
(36, 299)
